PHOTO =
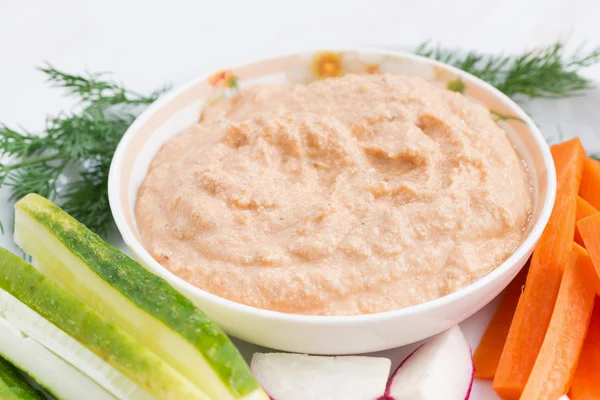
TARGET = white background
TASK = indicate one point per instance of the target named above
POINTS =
(147, 44)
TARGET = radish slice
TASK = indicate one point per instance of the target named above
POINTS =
(440, 369)
(302, 377)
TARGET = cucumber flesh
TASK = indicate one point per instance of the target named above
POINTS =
(93, 331)
(57, 377)
(13, 386)
(143, 304)
(34, 326)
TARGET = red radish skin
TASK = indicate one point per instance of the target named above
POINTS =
(468, 395)
(387, 396)
(446, 341)
(420, 372)
(388, 387)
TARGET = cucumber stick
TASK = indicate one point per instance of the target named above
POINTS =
(13, 386)
(51, 372)
(91, 330)
(143, 304)
(34, 326)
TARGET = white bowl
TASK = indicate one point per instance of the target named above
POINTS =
(327, 334)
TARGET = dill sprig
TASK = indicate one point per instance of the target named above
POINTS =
(543, 72)
(82, 142)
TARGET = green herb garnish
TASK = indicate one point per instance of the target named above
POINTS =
(496, 116)
(542, 72)
(80, 143)
(456, 85)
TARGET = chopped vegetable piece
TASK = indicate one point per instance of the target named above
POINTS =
(590, 232)
(442, 368)
(590, 182)
(555, 365)
(488, 352)
(90, 329)
(302, 377)
(47, 369)
(48, 335)
(586, 382)
(565, 153)
(141, 303)
(549, 259)
(585, 258)
(584, 209)
(13, 386)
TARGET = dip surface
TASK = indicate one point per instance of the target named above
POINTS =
(346, 196)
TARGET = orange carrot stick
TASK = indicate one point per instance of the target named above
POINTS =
(586, 383)
(585, 258)
(589, 228)
(557, 360)
(584, 209)
(590, 182)
(549, 259)
(579, 249)
(562, 154)
(595, 161)
(488, 352)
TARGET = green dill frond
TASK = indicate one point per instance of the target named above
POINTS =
(84, 141)
(543, 72)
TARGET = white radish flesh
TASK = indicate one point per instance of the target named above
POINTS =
(440, 369)
(303, 377)
(48, 370)
(36, 327)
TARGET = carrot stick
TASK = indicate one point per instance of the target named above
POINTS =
(588, 260)
(584, 209)
(549, 259)
(589, 228)
(586, 383)
(590, 182)
(579, 249)
(562, 154)
(557, 360)
(488, 352)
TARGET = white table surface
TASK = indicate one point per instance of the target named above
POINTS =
(147, 44)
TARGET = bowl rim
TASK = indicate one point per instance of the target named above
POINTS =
(136, 247)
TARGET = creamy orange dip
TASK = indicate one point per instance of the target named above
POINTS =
(346, 196)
